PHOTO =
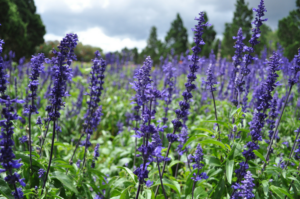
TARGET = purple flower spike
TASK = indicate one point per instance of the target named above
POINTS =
(41, 173)
(96, 155)
(244, 190)
(149, 183)
(248, 58)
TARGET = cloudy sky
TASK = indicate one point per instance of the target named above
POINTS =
(115, 24)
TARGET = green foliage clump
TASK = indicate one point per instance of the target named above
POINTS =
(289, 32)
(22, 29)
(84, 53)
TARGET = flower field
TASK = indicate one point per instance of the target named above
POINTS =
(188, 128)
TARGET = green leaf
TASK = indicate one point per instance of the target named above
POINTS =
(125, 194)
(293, 178)
(280, 192)
(199, 192)
(236, 111)
(131, 174)
(26, 159)
(295, 191)
(149, 194)
(212, 161)
(215, 142)
(265, 184)
(5, 190)
(232, 152)
(205, 130)
(175, 162)
(219, 189)
(228, 125)
(170, 183)
(258, 154)
(192, 138)
(101, 175)
(65, 180)
(229, 170)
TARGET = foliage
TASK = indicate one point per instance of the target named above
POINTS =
(289, 32)
(242, 17)
(154, 48)
(84, 53)
(22, 29)
(177, 37)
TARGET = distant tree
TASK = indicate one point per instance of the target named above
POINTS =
(264, 39)
(242, 17)
(22, 29)
(177, 37)
(135, 55)
(84, 53)
(289, 32)
(153, 47)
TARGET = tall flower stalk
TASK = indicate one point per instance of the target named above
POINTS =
(94, 111)
(263, 96)
(36, 69)
(197, 158)
(292, 81)
(248, 58)
(3, 75)
(183, 112)
(62, 74)
(210, 83)
(150, 150)
(237, 61)
(7, 157)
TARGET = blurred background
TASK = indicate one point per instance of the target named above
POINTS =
(140, 28)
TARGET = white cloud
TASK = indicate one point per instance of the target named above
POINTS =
(96, 37)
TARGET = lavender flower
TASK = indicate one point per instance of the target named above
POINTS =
(96, 155)
(183, 112)
(244, 190)
(23, 139)
(182, 138)
(286, 144)
(41, 173)
(197, 159)
(149, 183)
(201, 176)
(36, 69)
(120, 127)
(248, 58)
(238, 54)
(39, 121)
(7, 156)
(62, 74)
(273, 114)
(263, 102)
(145, 96)
(295, 69)
(92, 117)
(297, 151)
(94, 111)
(169, 84)
(78, 163)
(3, 75)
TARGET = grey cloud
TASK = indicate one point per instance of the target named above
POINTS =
(133, 19)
